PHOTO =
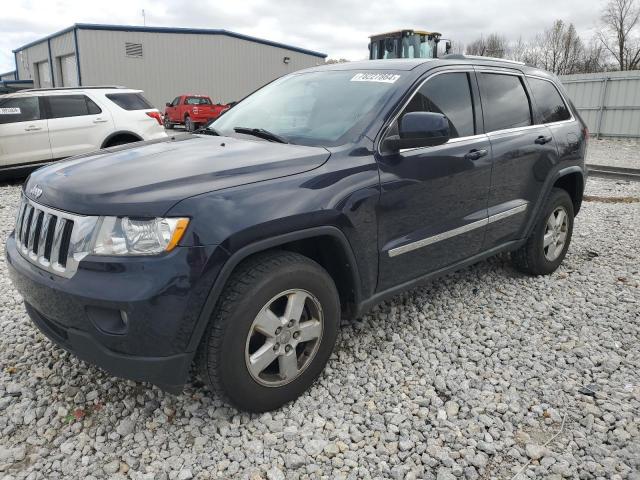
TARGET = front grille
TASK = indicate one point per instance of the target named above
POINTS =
(48, 238)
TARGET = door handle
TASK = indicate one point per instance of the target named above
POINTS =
(99, 120)
(542, 139)
(476, 154)
(32, 128)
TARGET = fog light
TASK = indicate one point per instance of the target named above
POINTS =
(108, 320)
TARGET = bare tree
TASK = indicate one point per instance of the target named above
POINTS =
(495, 45)
(619, 35)
(559, 49)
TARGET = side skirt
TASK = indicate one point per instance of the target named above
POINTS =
(379, 297)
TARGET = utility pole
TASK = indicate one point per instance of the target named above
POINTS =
(144, 18)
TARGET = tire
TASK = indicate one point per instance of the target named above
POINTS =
(536, 258)
(167, 124)
(188, 124)
(234, 339)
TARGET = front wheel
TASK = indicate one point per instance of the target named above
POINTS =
(272, 332)
(167, 123)
(547, 245)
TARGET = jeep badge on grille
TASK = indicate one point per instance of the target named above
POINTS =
(35, 191)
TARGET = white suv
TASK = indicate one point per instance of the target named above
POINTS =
(43, 125)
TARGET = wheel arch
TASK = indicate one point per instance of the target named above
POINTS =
(120, 133)
(571, 180)
(553, 180)
(339, 261)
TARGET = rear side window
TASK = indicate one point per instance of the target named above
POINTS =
(551, 107)
(449, 94)
(504, 102)
(64, 106)
(198, 101)
(23, 109)
(129, 101)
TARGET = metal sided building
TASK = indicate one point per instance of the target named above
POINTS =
(164, 62)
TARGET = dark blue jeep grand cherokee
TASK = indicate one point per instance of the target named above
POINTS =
(240, 247)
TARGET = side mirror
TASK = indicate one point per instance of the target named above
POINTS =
(420, 129)
(168, 104)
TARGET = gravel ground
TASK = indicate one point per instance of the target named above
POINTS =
(614, 152)
(483, 374)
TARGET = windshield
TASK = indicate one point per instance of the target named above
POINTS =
(325, 108)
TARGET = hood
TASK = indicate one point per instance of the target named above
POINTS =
(148, 179)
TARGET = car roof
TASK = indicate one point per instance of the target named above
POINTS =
(408, 64)
(72, 90)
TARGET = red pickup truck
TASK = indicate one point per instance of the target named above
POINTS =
(191, 111)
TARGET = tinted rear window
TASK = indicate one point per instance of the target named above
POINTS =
(198, 101)
(129, 101)
(63, 106)
(504, 102)
(551, 107)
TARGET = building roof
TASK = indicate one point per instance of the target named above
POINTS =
(192, 31)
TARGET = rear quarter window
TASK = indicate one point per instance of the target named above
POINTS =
(550, 105)
(505, 103)
(130, 101)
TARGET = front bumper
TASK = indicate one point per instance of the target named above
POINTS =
(133, 317)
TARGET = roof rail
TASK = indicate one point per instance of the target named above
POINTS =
(458, 56)
(53, 89)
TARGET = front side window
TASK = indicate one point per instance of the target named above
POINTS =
(175, 102)
(450, 95)
(63, 106)
(504, 101)
(198, 101)
(23, 109)
(551, 107)
(322, 108)
(129, 101)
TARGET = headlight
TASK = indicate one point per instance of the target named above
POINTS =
(131, 236)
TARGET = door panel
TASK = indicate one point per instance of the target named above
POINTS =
(520, 168)
(24, 136)
(429, 198)
(433, 200)
(523, 153)
(76, 125)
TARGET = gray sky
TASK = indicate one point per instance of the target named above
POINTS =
(337, 27)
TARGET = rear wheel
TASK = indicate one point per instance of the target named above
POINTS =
(188, 124)
(272, 332)
(548, 244)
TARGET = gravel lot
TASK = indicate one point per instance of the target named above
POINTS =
(614, 152)
(484, 374)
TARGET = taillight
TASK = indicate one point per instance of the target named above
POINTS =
(155, 115)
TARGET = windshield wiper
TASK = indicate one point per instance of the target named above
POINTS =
(207, 131)
(261, 133)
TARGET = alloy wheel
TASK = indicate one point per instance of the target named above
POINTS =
(555, 233)
(284, 337)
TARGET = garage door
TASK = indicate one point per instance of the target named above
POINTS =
(44, 75)
(69, 71)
